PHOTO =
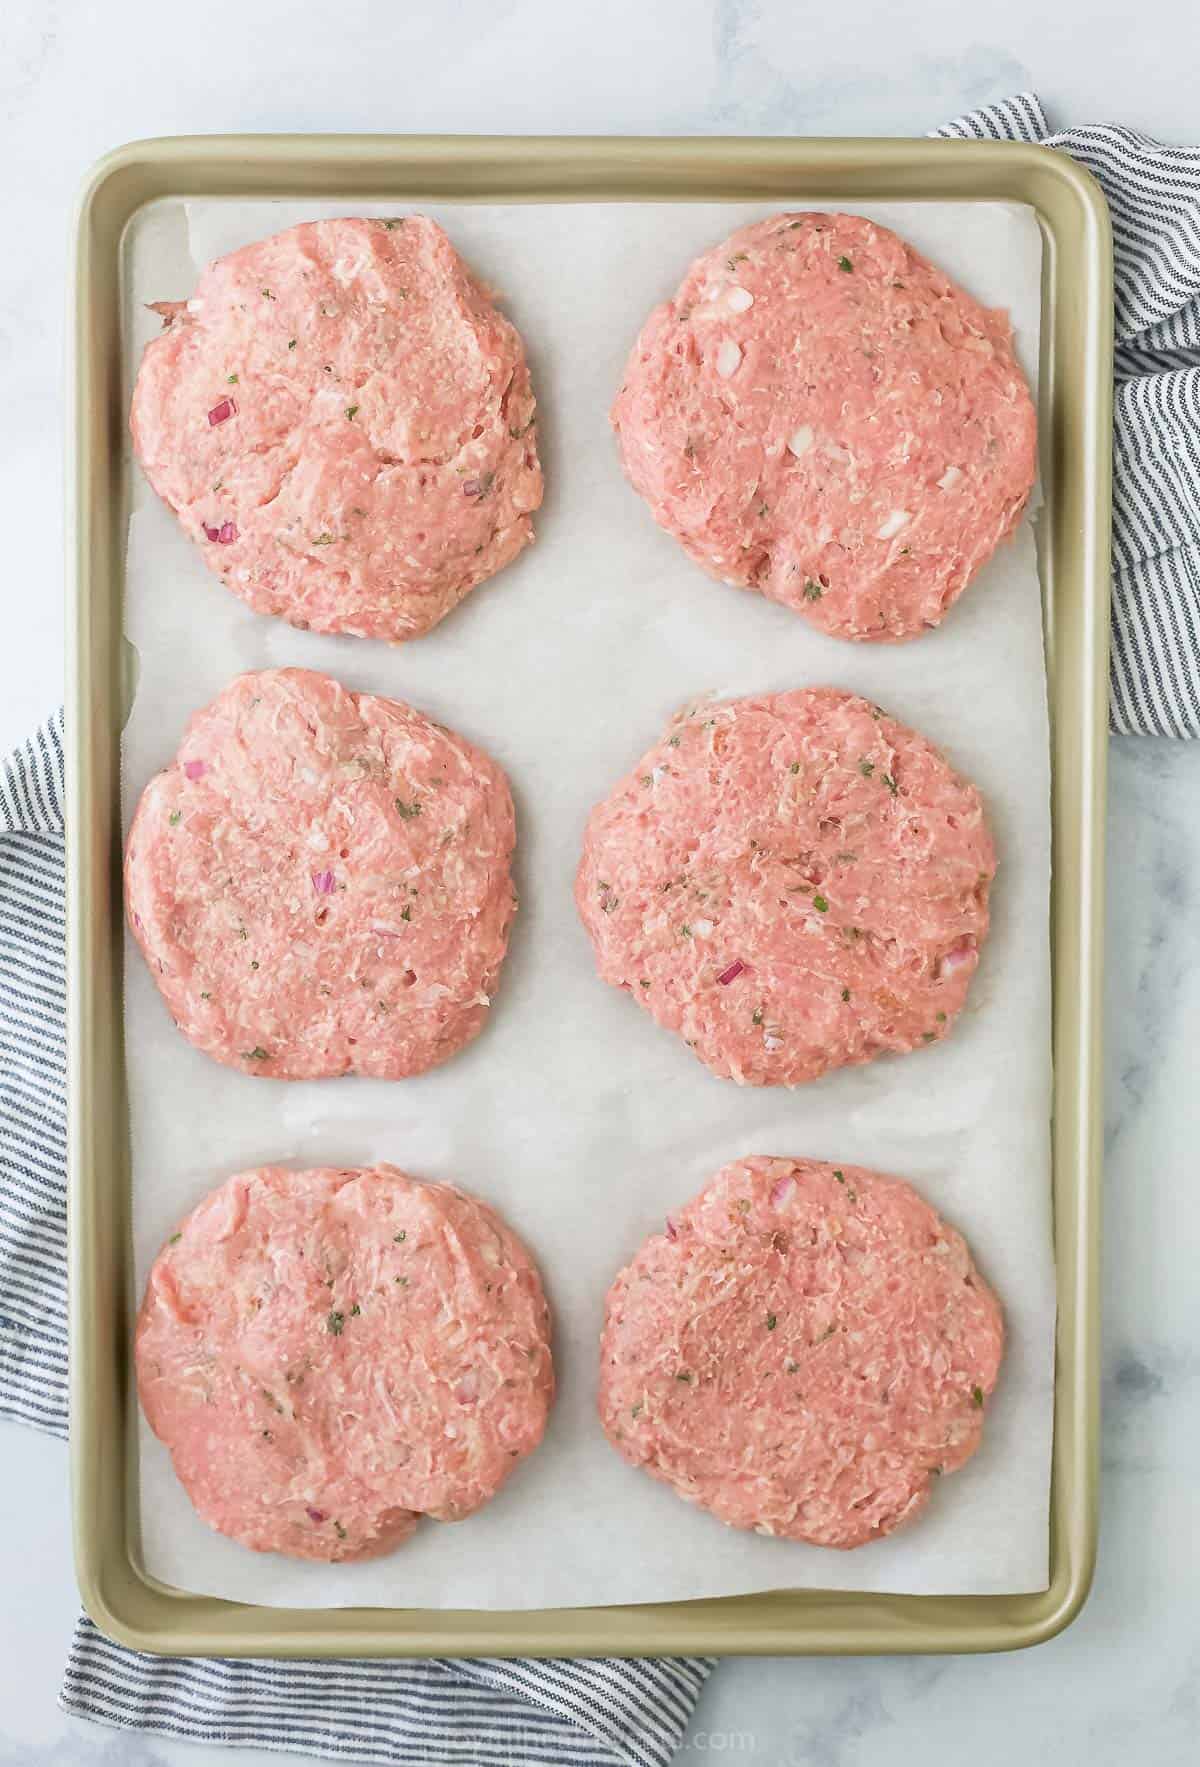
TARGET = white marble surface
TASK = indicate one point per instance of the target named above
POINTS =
(1123, 1684)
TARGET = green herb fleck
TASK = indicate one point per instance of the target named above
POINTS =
(928, 1037)
(174, 818)
(977, 1396)
(756, 1017)
(772, 1322)
(175, 1239)
(643, 983)
(647, 779)
(685, 930)
(291, 343)
(517, 431)
(736, 259)
(791, 1368)
(325, 539)
(941, 1017)
(840, 1176)
(267, 295)
(812, 591)
(355, 1310)
(636, 1410)
(866, 768)
(396, 221)
(254, 963)
(400, 1237)
(406, 913)
(339, 1530)
(683, 1375)
(258, 1053)
(821, 905)
(672, 742)
(891, 784)
(402, 1280)
(336, 1324)
(232, 379)
(845, 993)
(206, 996)
(845, 264)
(406, 812)
(795, 767)
(352, 412)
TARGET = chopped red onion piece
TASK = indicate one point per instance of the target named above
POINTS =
(960, 956)
(314, 1515)
(221, 412)
(471, 487)
(736, 968)
(322, 882)
(194, 769)
(672, 1230)
(211, 533)
(227, 534)
(782, 1189)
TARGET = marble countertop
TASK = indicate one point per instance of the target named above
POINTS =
(1124, 1682)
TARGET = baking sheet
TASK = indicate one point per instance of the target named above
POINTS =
(573, 1113)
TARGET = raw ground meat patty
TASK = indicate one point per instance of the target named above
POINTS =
(821, 415)
(330, 1355)
(320, 881)
(792, 883)
(343, 423)
(802, 1352)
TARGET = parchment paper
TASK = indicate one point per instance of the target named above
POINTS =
(573, 1113)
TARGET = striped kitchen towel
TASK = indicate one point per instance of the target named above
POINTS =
(1153, 194)
(524, 1713)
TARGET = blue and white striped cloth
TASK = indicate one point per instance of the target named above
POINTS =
(523, 1713)
(33, 1089)
(527, 1713)
(1153, 194)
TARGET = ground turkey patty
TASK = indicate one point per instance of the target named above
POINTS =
(320, 881)
(343, 422)
(802, 1352)
(821, 415)
(330, 1355)
(792, 882)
